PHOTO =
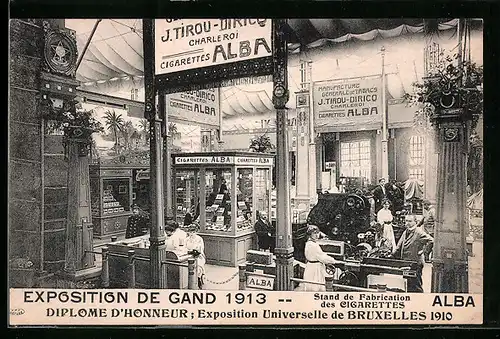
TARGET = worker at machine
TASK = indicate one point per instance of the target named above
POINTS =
(315, 269)
(413, 245)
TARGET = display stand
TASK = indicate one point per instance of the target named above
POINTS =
(111, 194)
(224, 191)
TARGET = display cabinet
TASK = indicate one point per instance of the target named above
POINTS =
(225, 192)
(111, 198)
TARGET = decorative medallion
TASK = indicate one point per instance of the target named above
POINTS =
(60, 53)
(450, 134)
(279, 91)
(302, 100)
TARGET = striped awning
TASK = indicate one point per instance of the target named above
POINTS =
(114, 60)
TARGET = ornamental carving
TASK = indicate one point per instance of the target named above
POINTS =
(451, 134)
(60, 51)
(280, 61)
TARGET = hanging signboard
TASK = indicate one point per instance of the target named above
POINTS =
(195, 107)
(184, 44)
(348, 102)
(232, 160)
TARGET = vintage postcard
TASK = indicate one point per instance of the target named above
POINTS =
(249, 171)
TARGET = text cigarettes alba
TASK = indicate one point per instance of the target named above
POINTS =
(181, 307)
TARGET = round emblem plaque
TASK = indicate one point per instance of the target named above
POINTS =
(60, 53)
(279, 91)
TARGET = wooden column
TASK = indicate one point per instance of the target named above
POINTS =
(450, 263)
(284, 248)
(157, 234)
(79, 223)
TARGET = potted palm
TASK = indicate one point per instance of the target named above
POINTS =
(76, 124)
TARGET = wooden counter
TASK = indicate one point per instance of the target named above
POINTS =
(227, 249)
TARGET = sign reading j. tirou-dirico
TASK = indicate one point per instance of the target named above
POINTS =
(183, 44)
(348, 101)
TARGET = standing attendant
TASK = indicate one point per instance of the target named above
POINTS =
(385, 218)
(413, 245)
(196, 246)
(428, 222)
(379, 194)
(137, 224)
(316, 260)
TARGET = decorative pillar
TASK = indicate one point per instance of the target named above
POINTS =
(302, 164)
(385, 134)
(432, 57)
(157, 233)
(450, 263)
(58, 89)
(284, 248)
(319, 162)
(167, 159)
(312, 140)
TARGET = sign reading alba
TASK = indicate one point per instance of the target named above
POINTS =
(182, 44)
(201, 106)
(349, 101)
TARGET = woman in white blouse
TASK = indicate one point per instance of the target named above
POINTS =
(384, 218)
(196, 246)
(316, 259)
(175, 237)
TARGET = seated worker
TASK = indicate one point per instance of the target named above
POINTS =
(413, 245)
(196, 247)
(263, 229)
(137, 223)
(175, 237)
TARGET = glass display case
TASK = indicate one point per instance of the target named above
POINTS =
(235, 186)
(111, 199)
(218, 200)
(187, 189)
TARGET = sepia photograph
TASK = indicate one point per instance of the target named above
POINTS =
(335, 162)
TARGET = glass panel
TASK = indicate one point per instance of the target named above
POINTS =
(244, 199)
(218, 199)
(187, 200)
(355, 159)
(115, 198)
(262, 190)
(417, 157)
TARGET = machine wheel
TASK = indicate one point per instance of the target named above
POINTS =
(330, 269)
(354, 201)
(349, 278)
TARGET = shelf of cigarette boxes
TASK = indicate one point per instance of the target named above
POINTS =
(119, 264)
